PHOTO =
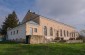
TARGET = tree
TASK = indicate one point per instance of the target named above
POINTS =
(82, 32)
(10, 22)
(82, 35)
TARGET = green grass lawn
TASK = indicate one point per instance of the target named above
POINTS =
(42, 49)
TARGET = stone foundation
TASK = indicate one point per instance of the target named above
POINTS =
(36, 39)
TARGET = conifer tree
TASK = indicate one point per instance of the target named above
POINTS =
(10, 22)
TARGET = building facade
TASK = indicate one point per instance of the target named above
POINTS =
(34, 25)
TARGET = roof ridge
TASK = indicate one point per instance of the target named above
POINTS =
(57, 21)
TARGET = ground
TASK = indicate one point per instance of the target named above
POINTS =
(8, 48)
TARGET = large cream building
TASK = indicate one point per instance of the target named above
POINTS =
(38, 29)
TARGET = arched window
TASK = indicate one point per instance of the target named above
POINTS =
(64, 34)
(74, 34)
(51, 31)
(57, 34)
(45, 30)
(70, 34)
(67, 33)
(61, 32)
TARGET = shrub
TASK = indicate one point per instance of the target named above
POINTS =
(79, 38)
(57, 38)
(71, 38)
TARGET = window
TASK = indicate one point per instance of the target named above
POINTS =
(67, 33)
(57, 34)
(14, 32)
(74, 34)
(61, 32)
(70, 35)
(17, 31)
(45, 30)
(64, 33)
(35, 29)
(11, 33)
(51, 31)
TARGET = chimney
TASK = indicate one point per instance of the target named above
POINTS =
(29, 11)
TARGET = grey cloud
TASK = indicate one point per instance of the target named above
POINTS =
(67, 11)
(61, 6)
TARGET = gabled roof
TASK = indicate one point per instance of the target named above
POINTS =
(29, 16)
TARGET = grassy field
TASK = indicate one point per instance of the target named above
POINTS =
(42, 49)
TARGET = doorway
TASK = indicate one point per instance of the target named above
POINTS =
(28, 39)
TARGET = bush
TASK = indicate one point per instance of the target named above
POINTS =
(62, 40)
(57, 38)
(78, 38)
(72, 39)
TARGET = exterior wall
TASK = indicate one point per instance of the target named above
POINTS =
(21, 33)
(56, 27)
(36, 39)
(28, 26)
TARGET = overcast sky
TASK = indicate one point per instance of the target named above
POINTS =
(70, 12)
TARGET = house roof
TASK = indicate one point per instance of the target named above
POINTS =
(29, 16)
(58, 22)
(37, 15)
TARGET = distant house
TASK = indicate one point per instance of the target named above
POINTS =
(1, 37)
(38, 29)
